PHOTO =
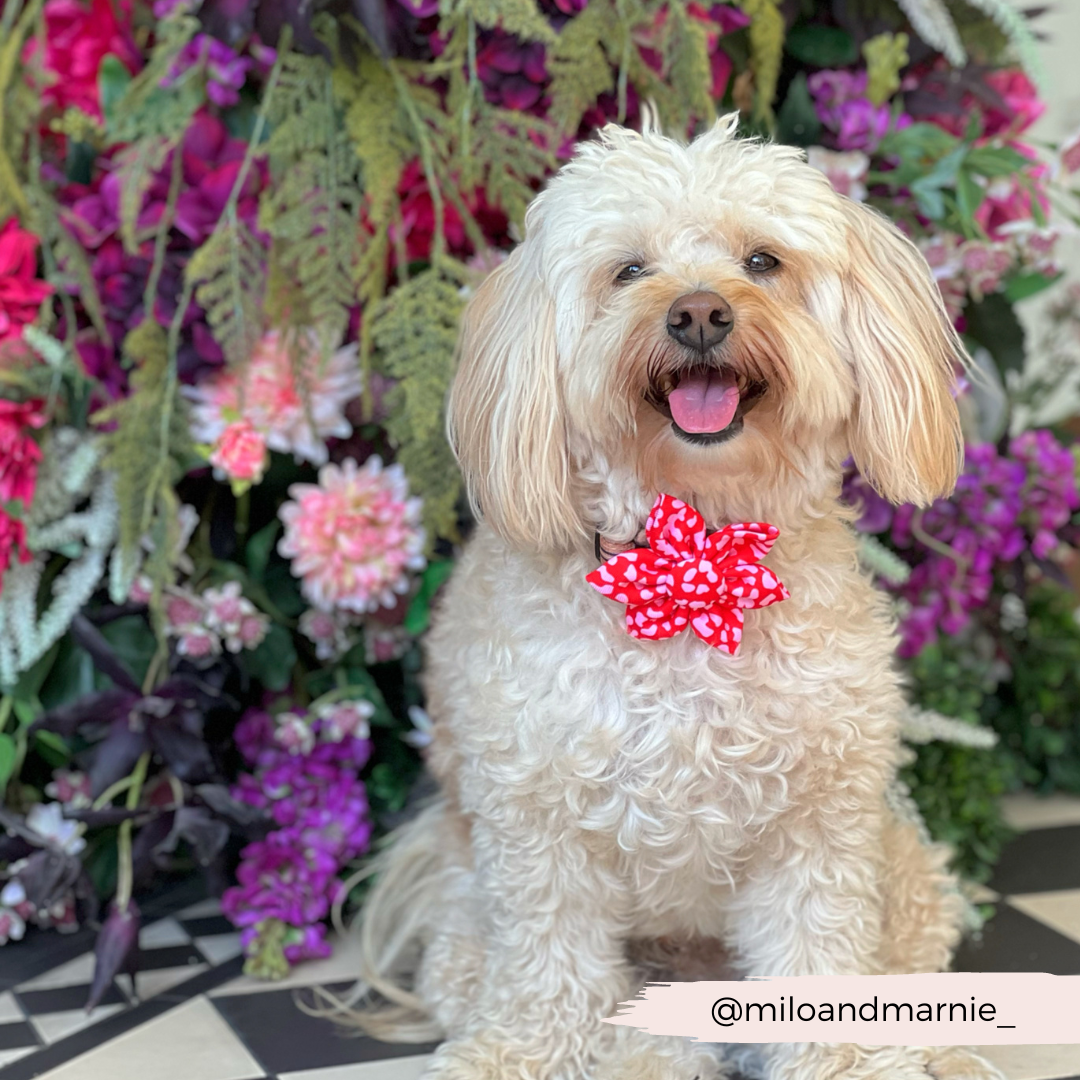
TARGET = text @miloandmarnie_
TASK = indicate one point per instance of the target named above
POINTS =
(880, 1010)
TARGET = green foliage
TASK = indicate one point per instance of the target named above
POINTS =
(144, 450)
(797, 121)
(1037, 712)
(821, 46)
(886, 55)
(520, 17)
(957, 788)
(151, 120)
(767, 48)
(579, 64)
(415, 331)
(311, 207)
(228, 277)
(993, 323)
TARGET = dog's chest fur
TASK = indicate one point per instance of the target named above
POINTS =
(670, 760)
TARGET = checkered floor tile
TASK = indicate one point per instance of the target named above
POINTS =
(192, 1014)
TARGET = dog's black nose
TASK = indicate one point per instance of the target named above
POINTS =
(700, 320)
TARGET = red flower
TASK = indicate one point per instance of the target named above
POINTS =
(77, 38)
(20, 291)
(19, 454)
(12, 543)
(688, 577)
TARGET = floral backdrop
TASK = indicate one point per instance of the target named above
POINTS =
(235, 241)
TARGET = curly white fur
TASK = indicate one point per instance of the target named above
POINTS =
(599, 790)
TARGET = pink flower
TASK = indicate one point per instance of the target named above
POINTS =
(1070, 153)
(240, 454)
(846, 171)
(198, 643)
(78, 36)
(1022, 104)
(292, 415)
(21, 293)
(70, 788)
(19, 454)
(984, 265)
(183, 611)
(234, 617)
(1008, 203)
(344, 720)
(328, 631)
(294, 733)
(354, 536)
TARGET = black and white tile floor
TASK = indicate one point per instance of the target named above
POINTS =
(198, 1018)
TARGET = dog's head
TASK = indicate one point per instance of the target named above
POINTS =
(710, 320)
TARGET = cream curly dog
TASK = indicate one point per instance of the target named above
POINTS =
(712, 321)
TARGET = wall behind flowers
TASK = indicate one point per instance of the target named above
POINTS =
(235, 241)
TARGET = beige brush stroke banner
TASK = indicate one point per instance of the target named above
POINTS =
(952, 1009)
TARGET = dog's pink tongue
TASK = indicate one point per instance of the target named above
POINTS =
(704, 401)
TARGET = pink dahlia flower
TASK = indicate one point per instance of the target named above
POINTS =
(240, 454)
(295, 416)
(354, 536)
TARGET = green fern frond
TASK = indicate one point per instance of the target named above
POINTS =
(766, 52)
(152, 121)
(228, 277)
(519, 17)
(415, 331)
(148, 436)
(930, 19)
(1014, 25)
(510, 153)
(579, 66)
(311, 211)
(688, 66)
(882, 562)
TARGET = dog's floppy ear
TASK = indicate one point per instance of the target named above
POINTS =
(505, 418)
(905, 431)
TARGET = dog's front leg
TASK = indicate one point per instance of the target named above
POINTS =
(812, 906)
(553, 966)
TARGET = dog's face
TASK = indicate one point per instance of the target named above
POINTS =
(710, 321)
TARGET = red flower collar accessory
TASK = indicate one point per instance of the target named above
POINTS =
(687, 576)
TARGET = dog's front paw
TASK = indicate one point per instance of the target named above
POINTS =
(959, 1063)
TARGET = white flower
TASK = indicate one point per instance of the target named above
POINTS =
(47, 820)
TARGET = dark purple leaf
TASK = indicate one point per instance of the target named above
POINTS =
(13, 848)
(116, 950)
(102, 707)
(271, 17)
(48, 877)
(371, 15)
(244, 818)
(90, 638)
(109, 815)
(115, 756)
(145, 846)
(206, 835)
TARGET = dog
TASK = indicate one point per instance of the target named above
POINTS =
(713, 322)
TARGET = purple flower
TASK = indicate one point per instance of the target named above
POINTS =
(312, 791)
(842, 106)
(1004, 506)
(513, 73)
(225, 71)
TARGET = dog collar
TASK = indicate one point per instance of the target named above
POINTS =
(683, 575)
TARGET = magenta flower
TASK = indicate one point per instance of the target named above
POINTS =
(843, 107)
(225, 71)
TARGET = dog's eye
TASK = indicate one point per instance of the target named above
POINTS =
(631, 272)
(760, 263)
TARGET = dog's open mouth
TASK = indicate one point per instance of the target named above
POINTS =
(706, 403)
